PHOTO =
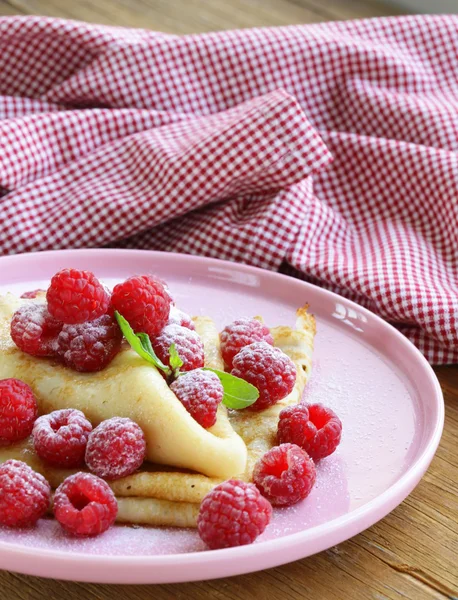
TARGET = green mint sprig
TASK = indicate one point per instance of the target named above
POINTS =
(238, 393)
(141, 343)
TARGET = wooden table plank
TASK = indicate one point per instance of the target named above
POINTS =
(8, 10)
(350, 9)
(413, 552)
(195, 16)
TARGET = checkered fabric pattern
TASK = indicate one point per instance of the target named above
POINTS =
(326, 151)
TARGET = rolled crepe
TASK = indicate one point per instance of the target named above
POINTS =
(128, 387)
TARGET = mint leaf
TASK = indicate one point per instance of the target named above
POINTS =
(238, 393)
(146, 343)
(141, 343)
(175, 360)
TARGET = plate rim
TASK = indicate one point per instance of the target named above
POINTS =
(367, 514)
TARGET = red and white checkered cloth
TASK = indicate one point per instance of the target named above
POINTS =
(221, 145)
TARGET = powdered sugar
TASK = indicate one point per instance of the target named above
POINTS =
(241, 333)
(25, 494)
(116, 448)
(267, 368)
(187, 343)
(34, 330)
(60, 437)
(233, 514)
(285, 475)
(200, 392)
(178, 317)
(89, 346)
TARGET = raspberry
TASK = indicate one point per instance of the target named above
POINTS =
(76, 296)
(178, 317)
(233, 514)
(33, 293)
(144, 302)
(187, 343)
(268, 369)
(200, 392)
(166, 288)
(315, 428)
(89, 346)
(85, 505)
(239, 334)
(285, 475)
(60, 438)
(24, 494)
(34, 330)
(18, 411)
(116, 448)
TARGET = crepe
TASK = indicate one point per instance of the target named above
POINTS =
(161, 495)
(127, 387)
(259, 429)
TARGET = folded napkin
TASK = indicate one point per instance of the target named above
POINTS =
(327, 151)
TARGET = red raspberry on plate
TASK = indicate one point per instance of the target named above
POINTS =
(33, 293)
(144, 302)
(115, 448)
(76, 296)
(85, 505)
(178, 317)
(285, 475)
(313, 427)
(89, 346)
(24, 494)
(18, 411)
(267, 368)
(34, 330)
(60, 438)
(200, 392)
(187, 343)
(166, 287)
(239, 334)
(233, 514)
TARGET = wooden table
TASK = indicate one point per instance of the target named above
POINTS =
(413, 552)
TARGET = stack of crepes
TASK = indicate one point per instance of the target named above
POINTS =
(184, 461)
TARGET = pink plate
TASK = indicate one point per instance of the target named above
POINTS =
(383, 389)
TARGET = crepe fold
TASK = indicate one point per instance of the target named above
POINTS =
(158, 494)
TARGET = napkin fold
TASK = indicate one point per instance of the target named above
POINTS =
(221, 145)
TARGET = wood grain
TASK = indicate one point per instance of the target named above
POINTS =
(195, 16)
(413, 552)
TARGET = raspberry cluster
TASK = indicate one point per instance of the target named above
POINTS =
(75, 326)
(286, 473)
(84, 503)
(282, 477)
(239, 334)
